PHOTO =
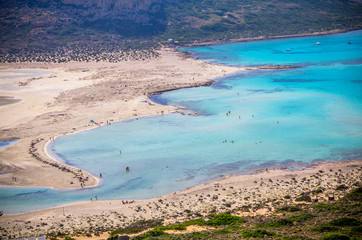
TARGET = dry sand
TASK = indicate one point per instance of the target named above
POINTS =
(67, 96)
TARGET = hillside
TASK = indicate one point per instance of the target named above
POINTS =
(74, 26)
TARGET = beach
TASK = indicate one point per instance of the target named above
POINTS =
(64, 100)
(245, 195)
(69, 95)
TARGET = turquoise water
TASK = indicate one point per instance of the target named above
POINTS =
(248, 119)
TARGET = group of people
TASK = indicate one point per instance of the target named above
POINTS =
(96, 198)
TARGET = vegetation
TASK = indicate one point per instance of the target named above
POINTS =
(257, 233)
(225, 219)
(51, 25)
(330, 220)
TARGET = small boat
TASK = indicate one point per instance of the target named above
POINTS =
(318, 43)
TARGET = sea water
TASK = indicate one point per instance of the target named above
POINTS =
(246, 120)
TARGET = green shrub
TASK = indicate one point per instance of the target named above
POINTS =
(356, 230)
(150, 234)
(289, 209)
(136, 227)
(303, 198)
(182, 226)
(345, 222)
(325, 228)
(301, 217)
(280, 223)
(290, 221)
(225, 219)
(260, 233)
(328, 207)
(355, 195)
(222, 231)
(335, 236)
(341, 187)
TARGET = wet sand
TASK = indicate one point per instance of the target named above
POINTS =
(5, 100)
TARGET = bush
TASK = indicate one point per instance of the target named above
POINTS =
(355, 195)
(328, 207)
(222, 231)
(182, 226)
(260, 233)
(357, 230)
(289, 209)
(150, 234)
(303, 198)
(225, 219)
(345, 222)
(280, 223)
(134, 228)
(335, 236)
(325, 228)
(341, 187)
(301, 217)
(290, 221)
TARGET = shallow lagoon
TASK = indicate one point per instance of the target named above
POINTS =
(276, 117)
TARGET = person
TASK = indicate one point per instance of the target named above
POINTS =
(127, 169)
(100, 175)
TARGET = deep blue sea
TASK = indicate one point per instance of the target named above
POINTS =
(248, 119)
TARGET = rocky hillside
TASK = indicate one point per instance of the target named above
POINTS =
(46, 25)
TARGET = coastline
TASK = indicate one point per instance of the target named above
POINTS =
(232, 180)
(67, 110)
(242, 195)
(262, 38)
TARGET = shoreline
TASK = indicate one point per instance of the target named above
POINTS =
(242, 195)
(263, 38)
(137, 108)
(97, 180)
(61, 107)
